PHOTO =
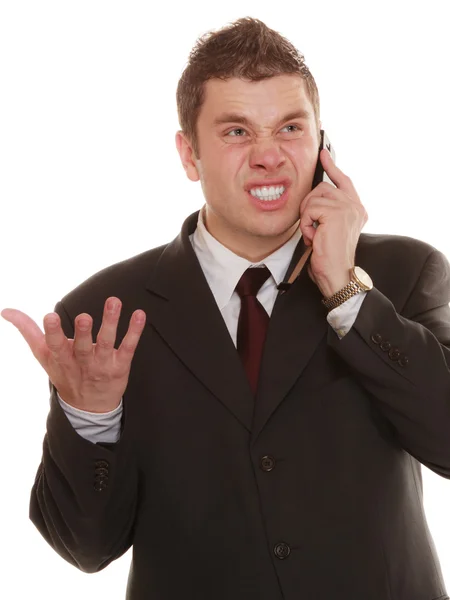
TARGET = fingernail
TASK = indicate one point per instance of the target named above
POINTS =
(139, 316)
(112, 305)
(83, 324)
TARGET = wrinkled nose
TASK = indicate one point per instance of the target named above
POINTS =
(267, 155)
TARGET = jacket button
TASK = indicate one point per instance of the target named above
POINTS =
(394, 353)
(101, 482)
(385, 346)
(102, 463)
(376, 338)
(403, 360)
(282, 550)
(101, 471)
(267, 463)
(99, 486)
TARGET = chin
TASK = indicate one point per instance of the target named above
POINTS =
(275, 225)
(274, 230)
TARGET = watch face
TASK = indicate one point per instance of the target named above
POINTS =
(364, 278)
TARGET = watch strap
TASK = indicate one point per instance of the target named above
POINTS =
(351, 289)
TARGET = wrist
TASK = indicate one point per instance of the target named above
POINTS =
(359, 281)
(333, 285)
(89, 407)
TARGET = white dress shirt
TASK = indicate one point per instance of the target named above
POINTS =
(222, 269)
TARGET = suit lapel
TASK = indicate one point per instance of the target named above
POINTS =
(184, 312)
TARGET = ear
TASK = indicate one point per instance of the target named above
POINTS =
(187, 156)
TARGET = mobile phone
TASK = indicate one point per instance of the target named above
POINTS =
(320, 174)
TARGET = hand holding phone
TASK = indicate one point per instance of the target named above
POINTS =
(319, 176)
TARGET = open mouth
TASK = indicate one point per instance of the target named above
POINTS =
(268, 194)
(271, 199)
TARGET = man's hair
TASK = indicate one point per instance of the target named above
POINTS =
(247, 49)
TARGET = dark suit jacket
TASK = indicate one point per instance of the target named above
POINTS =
(311, 492)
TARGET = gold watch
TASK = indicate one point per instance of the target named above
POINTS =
(360, 282)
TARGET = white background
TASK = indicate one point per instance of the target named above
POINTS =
(90, 175)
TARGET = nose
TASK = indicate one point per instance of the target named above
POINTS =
(266, 154)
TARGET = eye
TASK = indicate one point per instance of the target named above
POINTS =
(236, 129)
(296, 126)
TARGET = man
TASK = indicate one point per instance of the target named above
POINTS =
(245, 457)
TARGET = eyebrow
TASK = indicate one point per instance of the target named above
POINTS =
(237, 118)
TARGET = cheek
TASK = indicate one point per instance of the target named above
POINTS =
(234, 157)
(227, 167)
(302, 155)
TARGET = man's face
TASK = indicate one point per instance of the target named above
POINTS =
(249, 137)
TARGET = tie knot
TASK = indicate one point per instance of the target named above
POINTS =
(251, 281)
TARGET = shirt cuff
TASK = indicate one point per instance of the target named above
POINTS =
(343, 316)
(95, 427)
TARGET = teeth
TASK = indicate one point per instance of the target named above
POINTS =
(268, 193)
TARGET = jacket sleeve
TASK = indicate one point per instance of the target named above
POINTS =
(403, 361)
(84, 497)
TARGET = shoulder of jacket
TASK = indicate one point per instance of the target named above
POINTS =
(123, 279)
(394, 262)
(393, 250)
(388, 241)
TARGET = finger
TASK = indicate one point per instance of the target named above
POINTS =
(338, 177)
(318, 206)
(30, 331)
(106, 337)
(316, 213)
(308, 233)
(323, 190)
(55, 338)
(129, 343)
(82, 345)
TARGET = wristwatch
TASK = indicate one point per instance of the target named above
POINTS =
(360, 282)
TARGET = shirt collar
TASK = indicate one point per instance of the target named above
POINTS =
(223, 268)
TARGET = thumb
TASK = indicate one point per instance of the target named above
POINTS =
(30, 331)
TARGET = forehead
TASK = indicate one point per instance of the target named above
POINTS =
(265, 99)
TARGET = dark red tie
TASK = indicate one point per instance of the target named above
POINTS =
(253, 322)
